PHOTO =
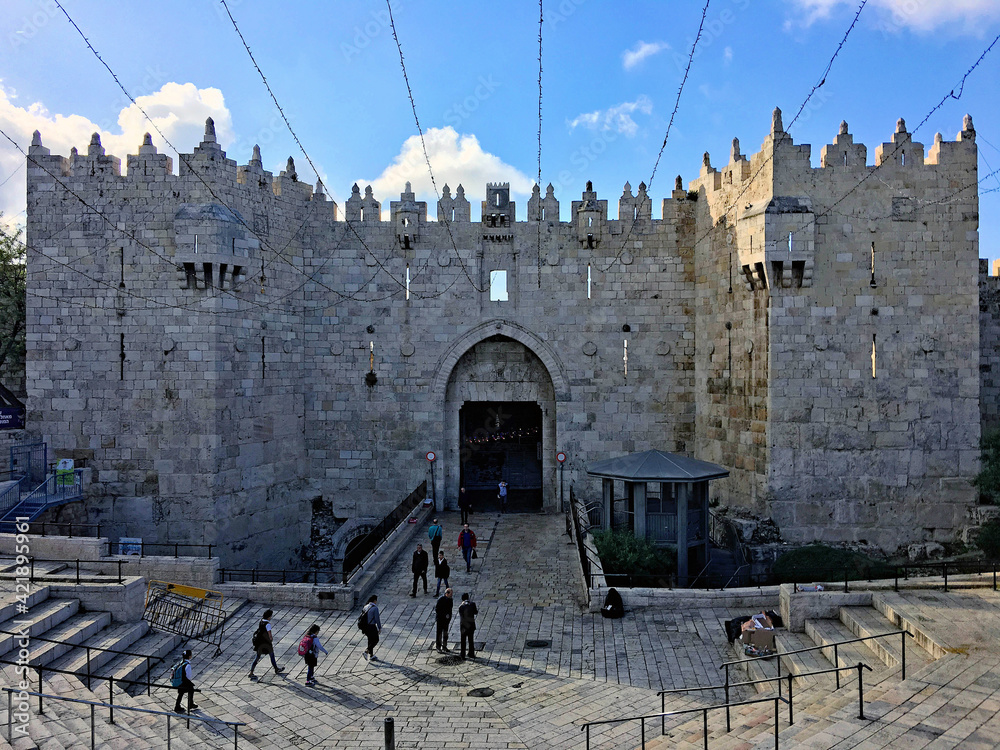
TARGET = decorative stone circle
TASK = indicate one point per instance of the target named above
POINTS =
(821, 343)
(407, 349)
(336, 349)
(749, 347)
(552, 258)
(444, 259)
(240, 345)
(663, 348)
(71, 345)
(626, 258)
(168, 345)
(927, 343)
(480, 692)
(370, 260)
(287, 347)
(590, 348)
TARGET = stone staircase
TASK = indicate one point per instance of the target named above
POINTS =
(818, 705)
(68, 631)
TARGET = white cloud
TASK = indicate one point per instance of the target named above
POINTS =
(617, 118)
(727, 55)
(179, 110)
(456, 160)
(918, 15)
(642, 50)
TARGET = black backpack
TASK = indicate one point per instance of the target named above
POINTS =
(363, 620)
(259, 636)
(613, 607)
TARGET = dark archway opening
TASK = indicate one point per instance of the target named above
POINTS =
(501, 441)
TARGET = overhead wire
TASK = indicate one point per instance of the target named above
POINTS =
(423, 145)
(666, 136)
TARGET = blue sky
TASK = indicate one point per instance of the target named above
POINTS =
(611, 74)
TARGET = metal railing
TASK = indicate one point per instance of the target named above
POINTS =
(11, 497)
(282, 576)
(32, 576)
(702, 710)
(94, 705)
(904, 572)
(835, 646)
(365, 547)
(41, 528)
(144, 548)
(789, 698)
(100, 649)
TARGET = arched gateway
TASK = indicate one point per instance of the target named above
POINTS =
(497, 386)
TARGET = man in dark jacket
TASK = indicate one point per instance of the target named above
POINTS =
(467, 612)
(467, 543)
(464, 504)
(441, 571)
(442, 615)
(419, 568)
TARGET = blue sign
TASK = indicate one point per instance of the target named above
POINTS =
(11, 418)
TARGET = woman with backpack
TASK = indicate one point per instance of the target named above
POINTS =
(309, 647)
(263, 643)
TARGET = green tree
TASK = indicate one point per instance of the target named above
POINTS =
(12, 308)
(987, 481)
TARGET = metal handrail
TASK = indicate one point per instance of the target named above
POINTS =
(57, 524)
(176, 546)
(725, 688)
(265, 575)
(734, 576)
(703, 710)
(96, 704)
(33, 560)
(40, 668)
(834, 646)
(75, 645)
(385, 529)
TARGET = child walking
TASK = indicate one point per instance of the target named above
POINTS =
(309, 648)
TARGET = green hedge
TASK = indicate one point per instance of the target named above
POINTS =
(623, 553)
(818, 562)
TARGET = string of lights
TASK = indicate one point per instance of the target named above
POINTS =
(670, 124)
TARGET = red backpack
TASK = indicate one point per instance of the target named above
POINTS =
(306, 645)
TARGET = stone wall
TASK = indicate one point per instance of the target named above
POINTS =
(222, 347)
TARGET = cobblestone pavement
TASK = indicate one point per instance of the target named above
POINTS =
(523, 582)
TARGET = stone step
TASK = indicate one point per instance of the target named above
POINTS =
(154, 644)
(68, 634)
(892, 606)
(798, 664)
(120, 638)
(830, 632)
(9, 566)
(867, 621)
(10, 607)
(40, 618)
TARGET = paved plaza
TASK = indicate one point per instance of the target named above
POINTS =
(545, 665)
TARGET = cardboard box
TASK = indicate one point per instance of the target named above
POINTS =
(759, 638)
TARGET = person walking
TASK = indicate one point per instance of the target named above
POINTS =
(419, 568)
(503, 497)
(435, 533)
(373, 626)
(442, 616)
(467, 612)
(186, 683)
(464, 504)
(467, 543)
(263, 643)
(311, 645)
(441, 571)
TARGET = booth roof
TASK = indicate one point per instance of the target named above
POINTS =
(656, 466)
